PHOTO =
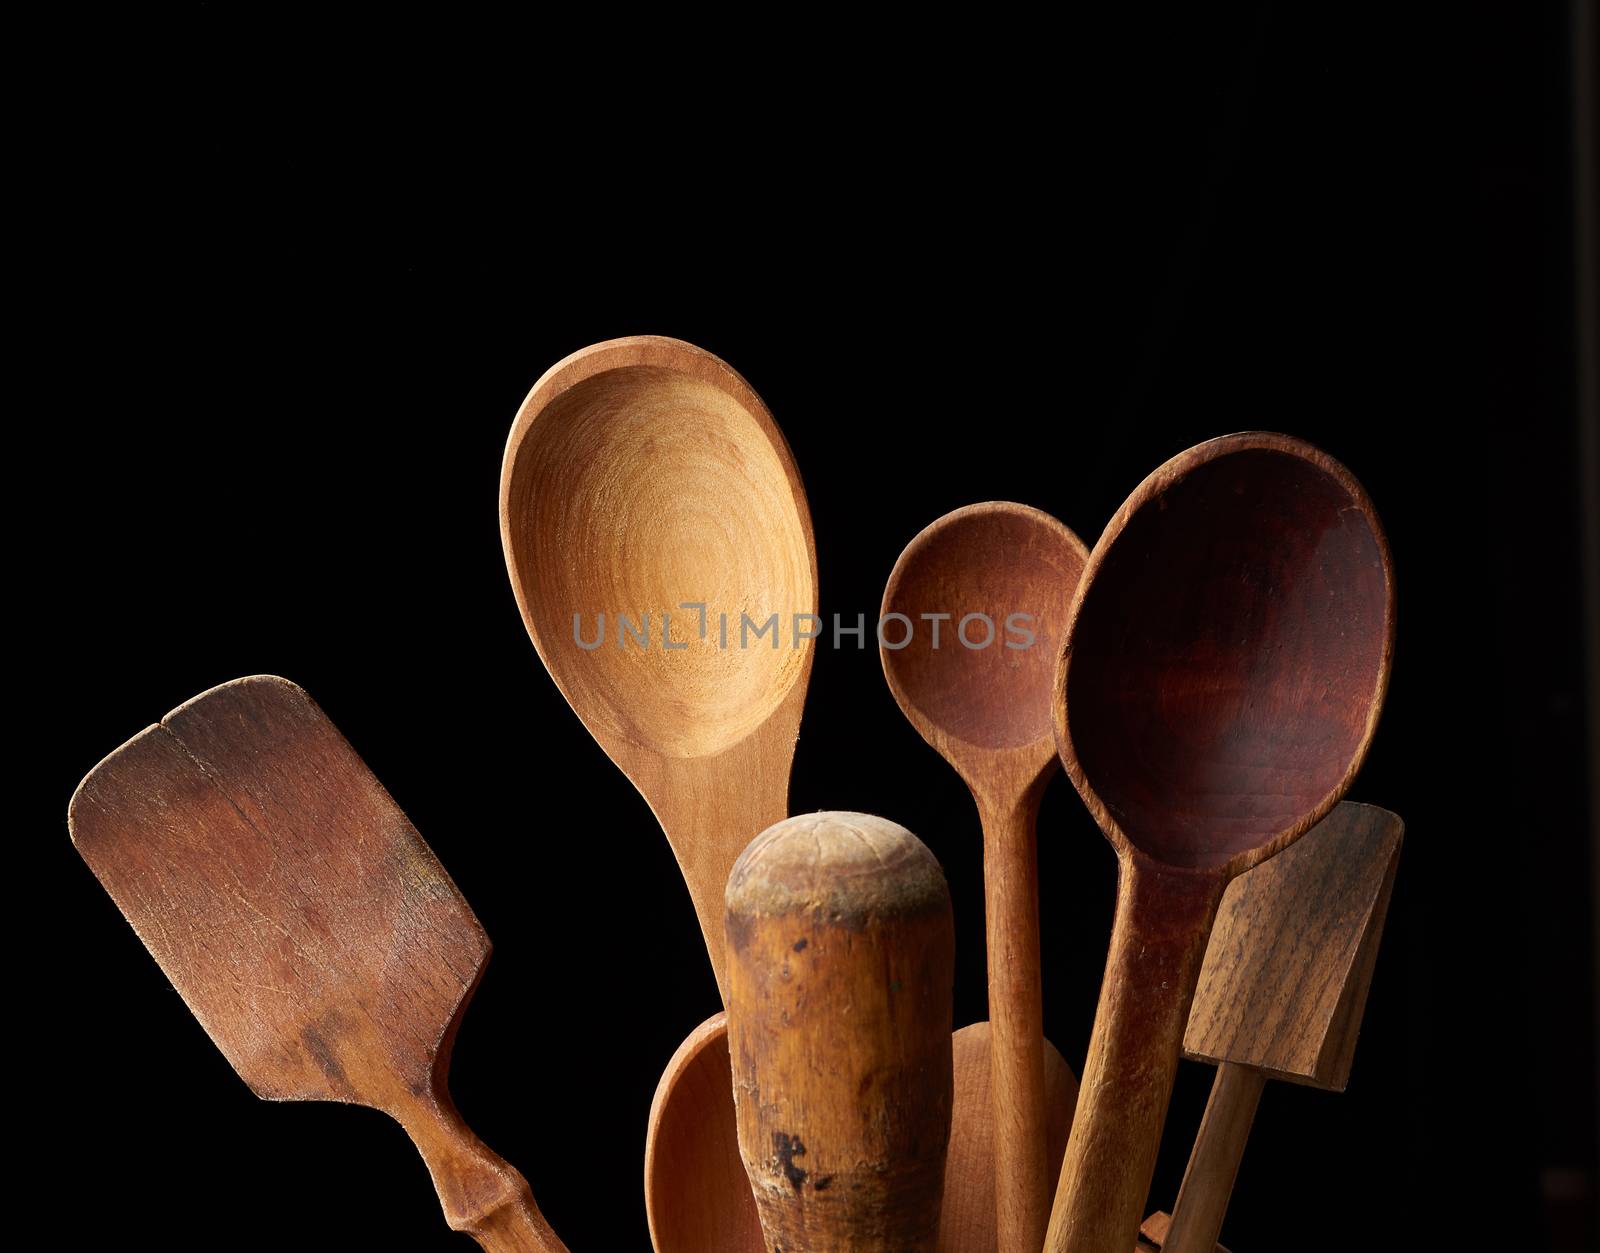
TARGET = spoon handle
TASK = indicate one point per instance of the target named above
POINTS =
(482, 1194)
(710, 808)
(1158, 942)
(1016, 1020)
(1214, 1163)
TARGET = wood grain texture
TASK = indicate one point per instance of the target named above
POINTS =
(1153, 1233)
(643, 475)
(969, 1220)
(698, 1198)
(987, 712)
(304, 922)
(1282, 991)
(842, 949)
(1286, 976)
(1225, 662)
(1214, 1162)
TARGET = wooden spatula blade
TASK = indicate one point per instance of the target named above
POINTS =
(285, 895)
(1291, 957)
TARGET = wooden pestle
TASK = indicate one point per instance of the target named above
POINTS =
(840, 951)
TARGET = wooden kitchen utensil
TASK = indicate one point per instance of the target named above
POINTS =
(646, 482)
(305, 924)
(1225, 661)
(1282, 991)
(998, 578)
(841, 951)
(699, 1201)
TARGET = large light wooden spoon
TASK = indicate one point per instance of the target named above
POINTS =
(998, 579)
(305, 924)
(645, 481)
(1225, 662)
(696, 1193)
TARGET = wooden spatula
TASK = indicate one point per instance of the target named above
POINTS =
(1281, 995)
(304, 922)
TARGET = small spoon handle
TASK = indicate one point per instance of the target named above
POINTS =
(482, 1194)
(1214, 1162)
(1016, 1021)
(1158, 943)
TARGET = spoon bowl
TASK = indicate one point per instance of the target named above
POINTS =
(997, 572)
(1228, 654)
(659, 544)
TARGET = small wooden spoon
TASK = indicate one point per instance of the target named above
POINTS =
(645, 481)
(1225, 662)
(698, 1197)
(986, 710)
(305, 924)
(1282, 991)
(841, 967)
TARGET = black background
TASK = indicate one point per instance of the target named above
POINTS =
(298, 319)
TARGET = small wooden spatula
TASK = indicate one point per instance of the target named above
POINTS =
(1281, 995)
(304, 922)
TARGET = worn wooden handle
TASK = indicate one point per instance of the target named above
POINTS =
(482, 1194)
(1158, 942)
(1016, 1019)
(709, 809)
(840, 959)
(1214, 1162)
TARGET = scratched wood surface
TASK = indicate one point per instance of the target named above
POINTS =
(841, 955)
(1286, 976)
(304, 922)
(697, 1196)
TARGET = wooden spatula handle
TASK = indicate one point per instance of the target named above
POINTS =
(482, 1194)
(1214, 1162)
(1158, 942)
(518, 1228)
(1016, 1019)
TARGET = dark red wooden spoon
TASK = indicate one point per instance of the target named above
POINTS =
(1224, 663)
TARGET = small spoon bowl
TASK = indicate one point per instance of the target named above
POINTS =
(1018, 567)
